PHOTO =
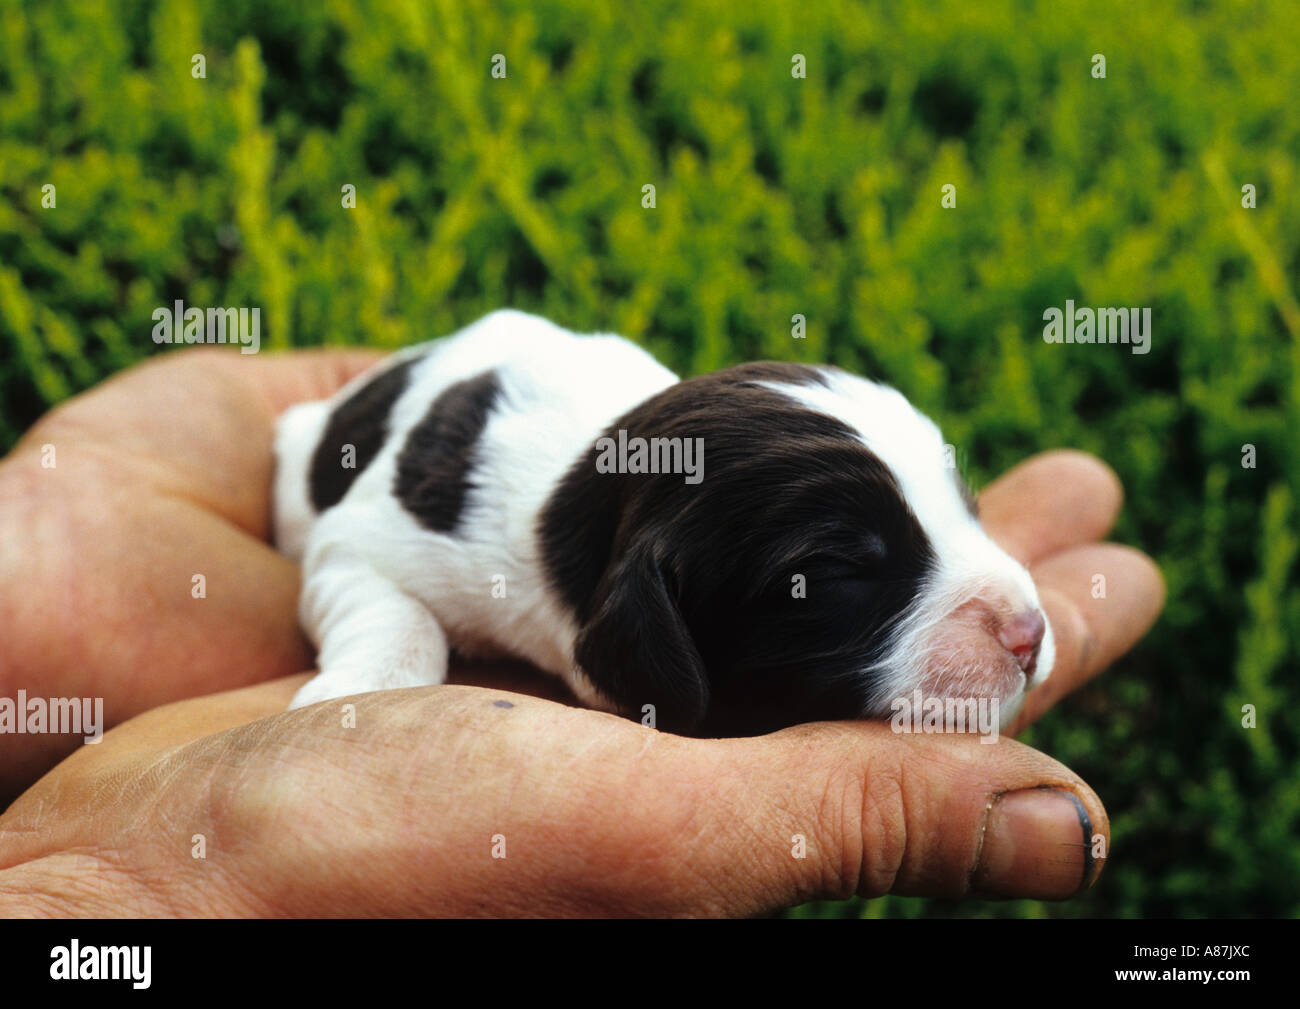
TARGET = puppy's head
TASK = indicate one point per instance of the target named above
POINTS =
(823, 561)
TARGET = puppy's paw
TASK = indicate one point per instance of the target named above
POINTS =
(338, 682)
(327, 687)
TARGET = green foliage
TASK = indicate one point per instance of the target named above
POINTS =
(775, 196)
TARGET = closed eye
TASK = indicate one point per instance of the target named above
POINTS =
(863, 560)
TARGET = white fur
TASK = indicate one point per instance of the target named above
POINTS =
(970, 564)
(382, 596)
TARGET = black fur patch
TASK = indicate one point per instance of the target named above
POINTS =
(434, 465)
(685, 594)
(361, 421)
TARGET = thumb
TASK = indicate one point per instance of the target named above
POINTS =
(835, 809)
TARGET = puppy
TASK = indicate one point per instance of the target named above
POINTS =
(761, 546)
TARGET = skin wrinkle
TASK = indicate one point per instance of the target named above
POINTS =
(56, 890)
(22, 900)
(603, 737)
(800, 813)
(14, 838)
(898, 796)
(468, 755)
(562, 827)
(232, 772)
(768, 838)
(718, 878)
(947, 764)
(228, 888)
(114, 862)
(599, 858)
(153, 786)
(840, 875)
(688, 835)
(205, 805)
(721, 894)
(846, 871)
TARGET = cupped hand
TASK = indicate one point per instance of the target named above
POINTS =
(459, 799)
(135, 565)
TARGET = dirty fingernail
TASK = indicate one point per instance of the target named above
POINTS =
(1037, 843)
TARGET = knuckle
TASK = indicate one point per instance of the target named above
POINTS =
(884, 827)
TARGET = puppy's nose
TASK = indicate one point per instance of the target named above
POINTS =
(1021, 635)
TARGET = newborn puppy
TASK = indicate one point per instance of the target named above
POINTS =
(765, 545)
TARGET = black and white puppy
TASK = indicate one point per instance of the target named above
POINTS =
(761, 546)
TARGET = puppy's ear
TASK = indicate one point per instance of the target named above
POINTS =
(636, 648)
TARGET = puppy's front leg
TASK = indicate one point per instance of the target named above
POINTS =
(370, 635)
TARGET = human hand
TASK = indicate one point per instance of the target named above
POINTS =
(159, 474)
(599, 815)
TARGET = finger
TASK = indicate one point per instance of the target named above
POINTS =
(180, 722)
(104, 775)
(606, 816)
(1100, 600)
(566, 811)
(159, 600)
(833, 810)
(288, 377)
(1050, 502)
(426, 778)
(195, 424)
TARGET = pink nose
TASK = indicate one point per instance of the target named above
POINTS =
(1021, 636)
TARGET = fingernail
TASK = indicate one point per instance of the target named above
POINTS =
(1037, 843)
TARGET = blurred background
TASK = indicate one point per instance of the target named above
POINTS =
(774, 196)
